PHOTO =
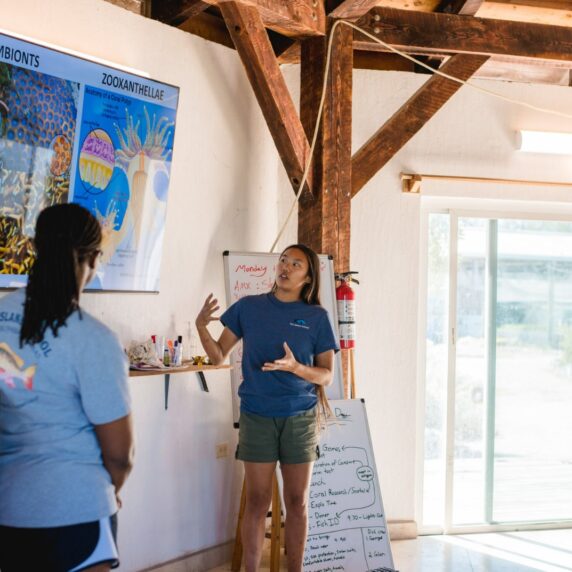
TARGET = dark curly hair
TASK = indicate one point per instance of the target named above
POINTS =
(66, 236)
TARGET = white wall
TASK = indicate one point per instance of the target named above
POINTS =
(179, 499)
(473, 135)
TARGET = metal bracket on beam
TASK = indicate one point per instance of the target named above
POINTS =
(411, 184)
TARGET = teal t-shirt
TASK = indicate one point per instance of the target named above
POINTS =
(264, 323)
(51, 396)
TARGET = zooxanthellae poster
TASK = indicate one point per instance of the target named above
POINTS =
(72, 130)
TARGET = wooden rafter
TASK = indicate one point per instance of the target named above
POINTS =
(465, 7)
(410, 118)
(325, 222)
(449, 34)
(255, 50)
(556, 13)
(135, 6)
(295, 18)
(353, 9)
(174, 12)
(209, 28)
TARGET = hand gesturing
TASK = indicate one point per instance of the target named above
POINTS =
(205, 316)
(287, 363)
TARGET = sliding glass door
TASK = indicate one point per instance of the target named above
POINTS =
(498, 372)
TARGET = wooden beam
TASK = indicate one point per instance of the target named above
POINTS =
(366, 60)
(497, 69)
(209, 28)
(352, 9)
(175, 12)
(363, 60)
(294, 18)
(465, 7)
(292, 55)
(410, 118)
(537, 11)
(255, 50)
(324, 223)
(450, 34)
(135, 6)
(562, 5)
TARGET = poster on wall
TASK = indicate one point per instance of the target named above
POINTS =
(73, 130)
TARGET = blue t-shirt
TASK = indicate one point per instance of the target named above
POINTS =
(51, 396)
(264, 323)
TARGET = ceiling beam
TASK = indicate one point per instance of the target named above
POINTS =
(294, 18)
(410, 118)
(555, 13)
(209, 28)
(464, 7)
(325, 223)
(255, 50)
(174, 12)
(540, 4)
(443, 34)
(353, 9)
(135, 6)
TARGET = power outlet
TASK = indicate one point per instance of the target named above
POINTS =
(221, 450)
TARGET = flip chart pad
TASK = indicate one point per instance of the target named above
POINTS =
(347, 530)
(250, 273)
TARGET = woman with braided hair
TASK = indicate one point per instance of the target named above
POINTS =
(66, 437)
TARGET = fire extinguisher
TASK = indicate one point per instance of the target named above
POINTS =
(345, 298)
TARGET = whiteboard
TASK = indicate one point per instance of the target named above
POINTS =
(250, 273)
(347, 530)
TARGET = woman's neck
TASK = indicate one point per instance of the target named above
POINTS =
(287, 296)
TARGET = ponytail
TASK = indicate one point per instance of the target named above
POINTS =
(66, 235)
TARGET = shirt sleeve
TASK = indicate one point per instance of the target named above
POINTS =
(231, 319)
(325, 340)
(103, 376)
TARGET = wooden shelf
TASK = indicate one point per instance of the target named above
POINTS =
(185, 368)
(181, 369)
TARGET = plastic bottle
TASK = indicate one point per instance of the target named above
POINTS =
(179, 351)
(166, 357)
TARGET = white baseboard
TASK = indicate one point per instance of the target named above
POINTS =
(402, 529)
(198, 561)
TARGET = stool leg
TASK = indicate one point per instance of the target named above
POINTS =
(275, 528)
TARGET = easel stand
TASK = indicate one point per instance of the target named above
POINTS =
(275, 529)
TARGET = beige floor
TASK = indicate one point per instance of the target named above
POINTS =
(546, 550)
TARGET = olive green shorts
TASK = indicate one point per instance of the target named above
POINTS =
(290, 440)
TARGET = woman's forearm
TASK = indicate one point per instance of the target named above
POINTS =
(313, 374)
(210, 345)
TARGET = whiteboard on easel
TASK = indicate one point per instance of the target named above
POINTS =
(251, 273)
(347, 529)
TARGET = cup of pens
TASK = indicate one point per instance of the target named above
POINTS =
(169, 352)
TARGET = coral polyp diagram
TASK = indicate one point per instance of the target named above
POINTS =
(62, 155)
(37, 122)
(72, 130)
(96, 160)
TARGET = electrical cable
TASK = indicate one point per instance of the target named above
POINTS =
(408, 57)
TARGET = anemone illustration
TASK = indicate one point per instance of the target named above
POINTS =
(153, 146)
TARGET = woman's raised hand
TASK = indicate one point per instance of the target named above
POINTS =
(287, 363)
(205, 316)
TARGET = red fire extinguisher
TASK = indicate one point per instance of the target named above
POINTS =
(345, 298)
